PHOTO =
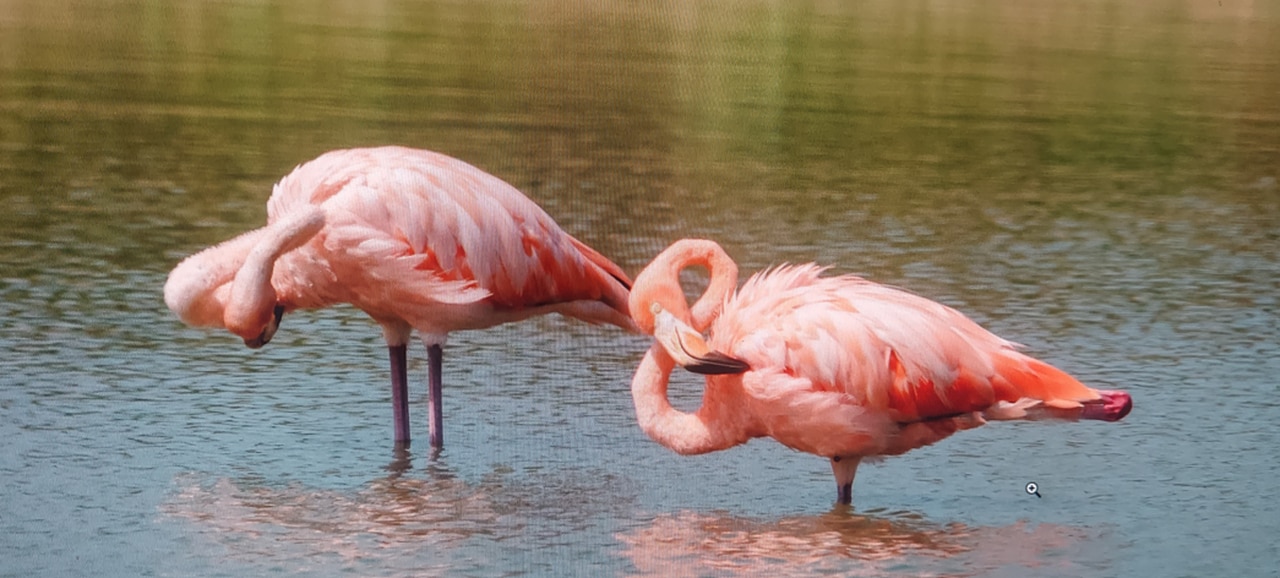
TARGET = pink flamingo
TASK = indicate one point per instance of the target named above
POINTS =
(415, 239)
(835, 366)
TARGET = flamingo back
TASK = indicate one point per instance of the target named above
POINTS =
(879, 348)
(446, 231)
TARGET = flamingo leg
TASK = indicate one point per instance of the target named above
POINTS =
(399, 393)
(435, 359)
(844, 467)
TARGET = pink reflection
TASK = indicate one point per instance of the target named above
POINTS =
(393, 521)
(847, 544)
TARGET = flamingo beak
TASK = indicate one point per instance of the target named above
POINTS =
(269, 331)
(689, 349)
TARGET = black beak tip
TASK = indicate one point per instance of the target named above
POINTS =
(267, 332)
(716, 363)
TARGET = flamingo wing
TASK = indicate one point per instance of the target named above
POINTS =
(880, 348)
(444, 230)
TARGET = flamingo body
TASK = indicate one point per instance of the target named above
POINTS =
(840, 367)
(416, 239)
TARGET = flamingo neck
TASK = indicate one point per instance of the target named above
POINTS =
(706, 430)
(659, 283)
(197, 289)
(724, 279)
(252, 294)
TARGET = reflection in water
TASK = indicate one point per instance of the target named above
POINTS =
(901, 543)
(419, 523)
(392, 518)
(438, 524)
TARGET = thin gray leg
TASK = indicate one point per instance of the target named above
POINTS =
(399, 394)
(435, 358)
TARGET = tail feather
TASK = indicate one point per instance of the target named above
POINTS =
(617, 295)
(1006, 410)
(1113, 406)
(603, 262)
(1019, 376)
(1028, 388)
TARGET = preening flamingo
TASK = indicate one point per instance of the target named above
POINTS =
(839, 366)
(417, 240)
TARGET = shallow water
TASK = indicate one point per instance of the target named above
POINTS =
(1096, 180)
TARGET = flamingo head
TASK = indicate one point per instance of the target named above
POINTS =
(252, 313)
(689, 349)
(230, 284)
(651, 298)
(203, 296)
(659, 283)
(268, 330)
(659, 307)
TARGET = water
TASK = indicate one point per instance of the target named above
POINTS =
(1096, 180)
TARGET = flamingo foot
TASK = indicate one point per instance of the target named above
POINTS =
(1113, 406)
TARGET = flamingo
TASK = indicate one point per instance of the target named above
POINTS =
(418, 241)
(840, 367)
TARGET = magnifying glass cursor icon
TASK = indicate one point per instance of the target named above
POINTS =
(1033, 489)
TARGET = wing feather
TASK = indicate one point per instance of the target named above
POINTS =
(447, 228)
(886, 348)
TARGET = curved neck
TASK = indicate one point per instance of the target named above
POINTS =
(252, 296)
(724, 279)
(706, 430)
(197, 287)
(660, 283)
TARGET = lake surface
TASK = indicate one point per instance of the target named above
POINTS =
(1095, 179)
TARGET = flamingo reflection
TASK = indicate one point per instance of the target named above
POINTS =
(413, 522)
(389, 512)
(842, 543)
